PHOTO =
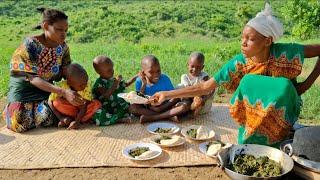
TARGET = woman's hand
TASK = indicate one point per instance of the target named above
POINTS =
(158, 98)
(73, 97)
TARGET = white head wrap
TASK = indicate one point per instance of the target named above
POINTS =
(266, 24)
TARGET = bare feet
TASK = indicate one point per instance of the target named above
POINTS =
(174, 119)
(64, 122)
(143, 119)
(74, 125)
(127, 120)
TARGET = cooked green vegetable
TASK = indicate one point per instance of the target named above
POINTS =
(163, 130)
(192, 133)
(258, 167)
(162, 138)
(215, 142)
(138, 151)
(142, 95)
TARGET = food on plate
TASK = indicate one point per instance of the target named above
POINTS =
(142, 95)
(138, 151)
(131, 94)
(199, 133)
(147, 154)
(214, 147)
(192, 133)
(202, 133)
(247, 164)
(169, 141)
(163, 130)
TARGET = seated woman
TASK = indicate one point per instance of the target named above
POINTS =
(266, 99)
(38, 62)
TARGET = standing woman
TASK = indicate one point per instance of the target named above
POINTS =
(35, 64)
(266, 97)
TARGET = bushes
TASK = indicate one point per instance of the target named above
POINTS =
(112, 20)
(303, 16)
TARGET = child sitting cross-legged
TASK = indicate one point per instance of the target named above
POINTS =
(69, 115)
(106, 88)
(150, 81)
(194, 76)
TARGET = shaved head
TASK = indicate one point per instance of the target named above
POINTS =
(197, 56)
(149, 60)
(103, 65)
(76, 71)
(101, 60)
(77, 77)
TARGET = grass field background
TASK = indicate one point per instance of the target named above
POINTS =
(126, 31)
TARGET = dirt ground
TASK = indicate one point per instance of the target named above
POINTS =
(203, 172)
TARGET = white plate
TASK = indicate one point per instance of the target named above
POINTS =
(154, 138)
(135, 100)
(184, 133)
(152, 147)
(153, 126)
(203, 148)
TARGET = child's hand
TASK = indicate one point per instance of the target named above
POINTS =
(119, 78)
(143, 77)
(73, 97)
(117, 81)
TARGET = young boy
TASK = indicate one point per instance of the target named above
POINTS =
(68, 114)
(150, 81)
(106, 89)
(196, 75)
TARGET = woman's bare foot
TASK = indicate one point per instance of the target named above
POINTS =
(74, 125)
(174, 119)
(127, 120)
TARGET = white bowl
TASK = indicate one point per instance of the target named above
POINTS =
(152, 147)
(135, 100)
(154, 138)
(184, 133)
(153, 126)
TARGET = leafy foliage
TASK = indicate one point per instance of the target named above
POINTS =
(304, 16)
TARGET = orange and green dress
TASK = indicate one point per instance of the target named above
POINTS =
(27, 106)
(265, 102)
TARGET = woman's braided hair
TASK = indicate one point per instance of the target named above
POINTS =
(51, 16)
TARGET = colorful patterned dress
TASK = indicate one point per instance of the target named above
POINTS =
(27, 106)
(265, 102)
(114, 107)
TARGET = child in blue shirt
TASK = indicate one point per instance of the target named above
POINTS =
(150, 81)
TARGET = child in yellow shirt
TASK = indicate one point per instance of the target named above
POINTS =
(69, 115)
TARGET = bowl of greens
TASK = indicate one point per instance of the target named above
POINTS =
(252, 161)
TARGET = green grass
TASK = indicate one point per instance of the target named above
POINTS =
(126, 31)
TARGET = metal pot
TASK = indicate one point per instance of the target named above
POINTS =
(226, 155)
(286, 147)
